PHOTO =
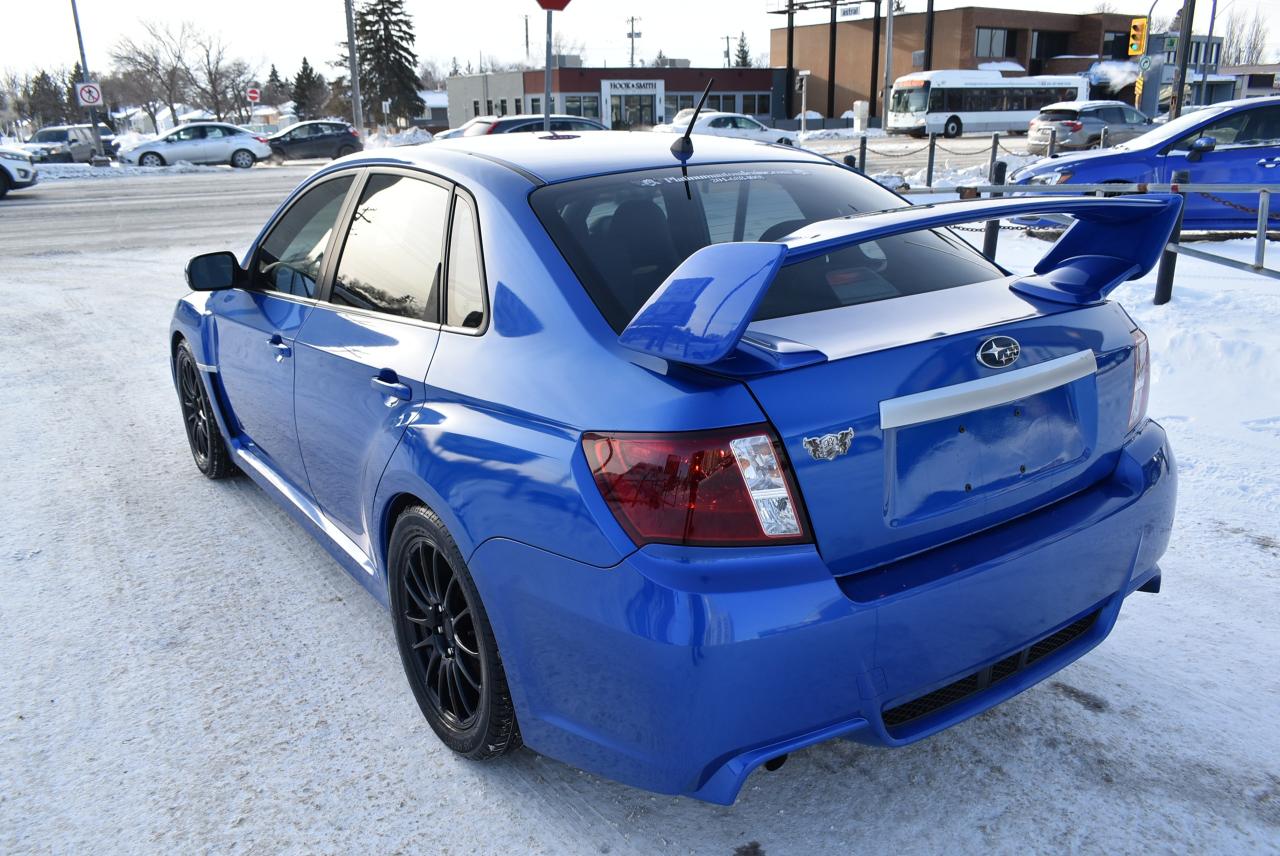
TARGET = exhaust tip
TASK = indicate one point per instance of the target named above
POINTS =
(775, 763)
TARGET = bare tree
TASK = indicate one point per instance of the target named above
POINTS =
(1244, 39)
(157, 61)
(135, 89)
(1105, 7)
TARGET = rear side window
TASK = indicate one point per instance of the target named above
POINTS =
(391, 259)
(476, 130)
(466, 279)
(1057, 115)
(291, 257)
(624, 234)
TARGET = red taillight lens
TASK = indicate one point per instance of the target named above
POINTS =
(261, 139)
(728, 487)
(354, 132)
(1141, 379)
(1072, 126)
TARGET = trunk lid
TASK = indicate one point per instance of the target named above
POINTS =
(943, 445)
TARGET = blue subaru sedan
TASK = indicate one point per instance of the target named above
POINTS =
(1235, 142)
(668, 463)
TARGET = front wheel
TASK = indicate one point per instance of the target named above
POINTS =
(207, 447)
(446, 644)
(953, 128)
(243, 159)
(150, 159)
(4, 183)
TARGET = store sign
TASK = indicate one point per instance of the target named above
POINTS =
(615, 87)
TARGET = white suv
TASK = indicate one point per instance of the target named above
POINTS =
(16, 169)
(201, 142)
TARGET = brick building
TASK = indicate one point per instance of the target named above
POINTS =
(1014, 41)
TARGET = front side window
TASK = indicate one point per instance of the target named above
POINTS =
(624, 234)
(465, 300)
(51, 137)
(187, 134)
(290, 259)
(391, 259)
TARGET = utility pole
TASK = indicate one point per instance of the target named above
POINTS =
(1204, 55)
(546, 82)
(888, 52)
(726, 50)
(928, 35)
(526, 38)
(633, 35)
(831, 65)
(1184, 52)
(353, 60)
(791, 39)
(875, 55)
(84, 70)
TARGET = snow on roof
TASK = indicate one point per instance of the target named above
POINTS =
(434, 97)
(1000, 65)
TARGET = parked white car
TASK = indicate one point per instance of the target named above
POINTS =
(727, 125)
(201, 142)
(16, 169)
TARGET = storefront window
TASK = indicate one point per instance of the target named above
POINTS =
(631, 111)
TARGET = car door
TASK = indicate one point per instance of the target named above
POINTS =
(363, 354)
(1246, 151)
(1113, 119)
(1135, 125)
(256, 326)
(185, 144)
(218, 142)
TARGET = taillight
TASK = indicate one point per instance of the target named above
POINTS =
(1141, 379)
(260, 139)
(727, 487)
(493, 126)
(1072, 126)
(354, 132)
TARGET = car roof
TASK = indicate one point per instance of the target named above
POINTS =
(550, 158)
(1081, 105)
(522, 117)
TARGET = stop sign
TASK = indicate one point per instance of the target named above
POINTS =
(253, 95)
(553, 5)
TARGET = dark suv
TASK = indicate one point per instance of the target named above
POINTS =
(325, 138)
(526, 123)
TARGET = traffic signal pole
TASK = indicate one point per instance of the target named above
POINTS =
(1184, 52)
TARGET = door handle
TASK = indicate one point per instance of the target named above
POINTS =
(388, 383)
(1269, 164)
(282, 349)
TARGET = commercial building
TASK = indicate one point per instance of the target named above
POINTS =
(619, 97)
(1254, 81)
(973, 37)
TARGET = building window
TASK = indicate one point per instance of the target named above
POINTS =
(519, 106)
(1115, 45)
(573, 105)
(502, 107)
(991, 42)
(756, 104)
(475, 108)
(488, 107)
(587, 106)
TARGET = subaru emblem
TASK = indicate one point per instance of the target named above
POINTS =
(999, 352)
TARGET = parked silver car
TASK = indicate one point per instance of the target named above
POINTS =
(201, 142)
(1079, 125)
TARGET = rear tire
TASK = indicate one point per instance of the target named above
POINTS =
(277, 157)
(204, 437)
(785, 141)
(4, 183)
(445, 640)
(343, 151)
(150, 159)
(243, 159)
(953, 128)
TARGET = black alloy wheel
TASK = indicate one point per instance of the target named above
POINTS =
(207, 448)
(445, 641)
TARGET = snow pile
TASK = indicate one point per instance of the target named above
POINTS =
(410, 137)
(840, 134)
(132, 139)
(63, 171)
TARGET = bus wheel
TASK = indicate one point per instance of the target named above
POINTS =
(953, 128)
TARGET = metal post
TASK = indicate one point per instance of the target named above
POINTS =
(1053, 141)
(1264, 214)
(992, 231)
(1184, 51)
(84, 69)
(1204, 55)
(928, 170)
(791, 70)
(995, 153)
(928, 35)
(831, 65)
(1169, 259)
(353, 63)
(546, 84)
(862, 153)
(875, 58)
(888, 50)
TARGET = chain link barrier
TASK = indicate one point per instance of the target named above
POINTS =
(1238, 207)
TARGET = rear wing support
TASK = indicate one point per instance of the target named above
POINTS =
(699, 314)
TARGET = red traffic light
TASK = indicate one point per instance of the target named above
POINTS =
(553, 5)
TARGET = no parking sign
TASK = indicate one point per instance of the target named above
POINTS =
(88, 94)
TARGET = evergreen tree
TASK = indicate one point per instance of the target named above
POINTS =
(742, 59)
(276, 91)
(388, 65)
(310, 92)
(660, 61)
(454, 70)
(72, 83)
(44, 99)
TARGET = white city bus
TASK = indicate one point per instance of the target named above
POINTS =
(952, 101)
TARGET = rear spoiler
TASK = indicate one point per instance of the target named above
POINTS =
(699, 314)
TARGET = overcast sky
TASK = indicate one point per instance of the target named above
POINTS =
(42, 33)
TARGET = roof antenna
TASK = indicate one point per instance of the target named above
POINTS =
(683, 147)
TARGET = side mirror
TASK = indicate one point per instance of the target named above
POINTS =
(1200, 146)
(214, 272)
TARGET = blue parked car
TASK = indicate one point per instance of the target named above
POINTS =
(667, 466)
(1235, 142)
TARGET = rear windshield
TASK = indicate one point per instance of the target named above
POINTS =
(476, 129)
(1057, 115)
(624, 234)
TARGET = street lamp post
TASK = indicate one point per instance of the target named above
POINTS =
(84, 70)
(353, 64)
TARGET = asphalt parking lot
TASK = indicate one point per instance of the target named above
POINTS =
(182, 668)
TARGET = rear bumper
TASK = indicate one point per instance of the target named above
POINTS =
(681, 670)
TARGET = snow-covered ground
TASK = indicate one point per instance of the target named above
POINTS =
(116, 169)
(182, 669)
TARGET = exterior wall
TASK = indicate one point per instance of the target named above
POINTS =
(954, 43)
(468, 89)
